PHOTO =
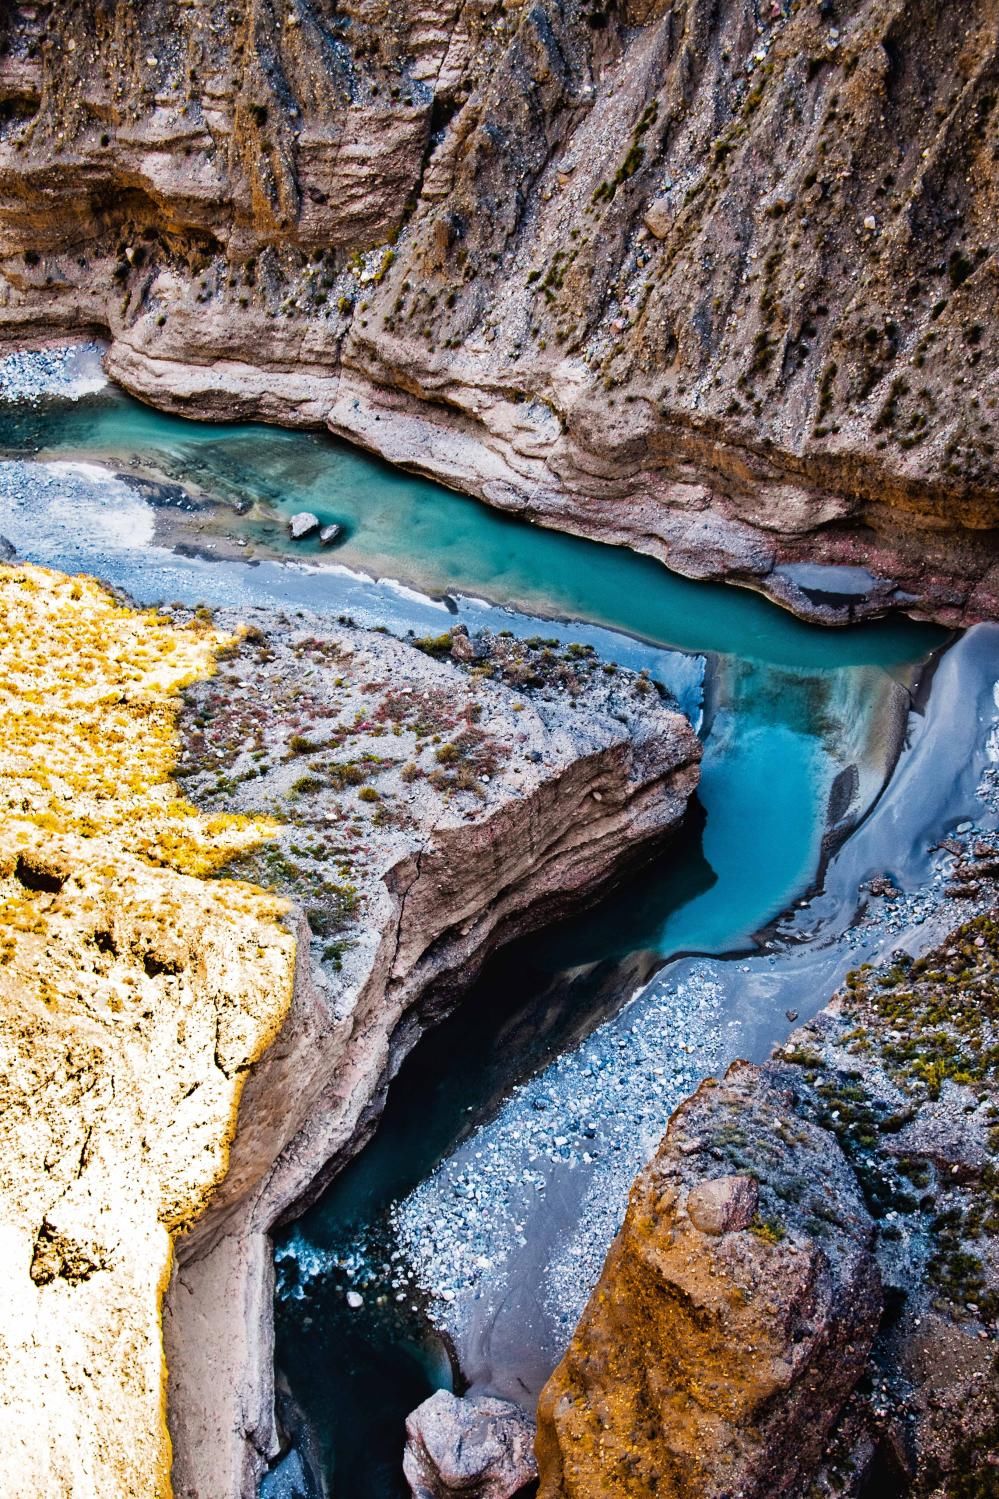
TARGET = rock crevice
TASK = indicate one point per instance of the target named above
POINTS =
(450, 865)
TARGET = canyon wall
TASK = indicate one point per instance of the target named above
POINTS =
(186, 1058)
(716, 280)
(135, 997)
(417, 857)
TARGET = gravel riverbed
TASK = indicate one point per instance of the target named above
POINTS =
(507, 1238)
(67, 373)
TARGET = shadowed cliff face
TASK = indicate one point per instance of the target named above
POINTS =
(716, 280)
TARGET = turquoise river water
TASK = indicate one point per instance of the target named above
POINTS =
(791, 715)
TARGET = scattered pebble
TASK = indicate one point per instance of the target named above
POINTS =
(30, 376)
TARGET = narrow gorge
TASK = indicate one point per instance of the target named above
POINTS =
(500, 686)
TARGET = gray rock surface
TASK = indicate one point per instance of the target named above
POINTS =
(477, 1447)
(409, 879)
(723, 1205)
(303, 524)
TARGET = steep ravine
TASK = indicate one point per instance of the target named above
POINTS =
(786, 702)
(529, 803)
(715, 281)
(185, 1056)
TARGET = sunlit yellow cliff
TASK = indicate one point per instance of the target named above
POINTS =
(135, 993)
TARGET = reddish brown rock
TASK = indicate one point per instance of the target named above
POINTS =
(713, 1361)
(760, 1362)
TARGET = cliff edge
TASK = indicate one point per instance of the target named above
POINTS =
(135, 996)
(188, 1055)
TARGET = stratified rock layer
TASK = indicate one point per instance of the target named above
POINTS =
(717, 281)
(177, 1070)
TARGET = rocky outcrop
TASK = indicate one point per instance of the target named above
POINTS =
(136, 995)
(841, 1340)
(712, 281)
(731, 1321)
(302, 524)
(478, 1447)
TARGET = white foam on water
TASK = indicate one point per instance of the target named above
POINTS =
(403, 590)
(992, 743)
(122, 519)
(94, 473)
(414, 594)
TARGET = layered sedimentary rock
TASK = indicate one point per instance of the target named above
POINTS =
(430, 810)
(803, 1297)
(717, 281)
(185, 1057)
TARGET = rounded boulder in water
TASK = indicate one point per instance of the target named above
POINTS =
(303, 524)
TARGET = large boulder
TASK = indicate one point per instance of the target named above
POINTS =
(477, 1447)
(303, 524)
(462, 647)
(733, 1317)
(658, 217)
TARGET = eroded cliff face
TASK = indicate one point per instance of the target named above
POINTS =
(135, 995)
(184, 1056)
(803, 1297)
(432, 802)
(716, 280)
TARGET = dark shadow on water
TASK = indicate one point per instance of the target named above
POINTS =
(523, 1011)
(355, 1378)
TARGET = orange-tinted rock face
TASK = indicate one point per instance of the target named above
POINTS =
(716, 281)
(844, 1342)
(137, 996)
(712, 1363)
